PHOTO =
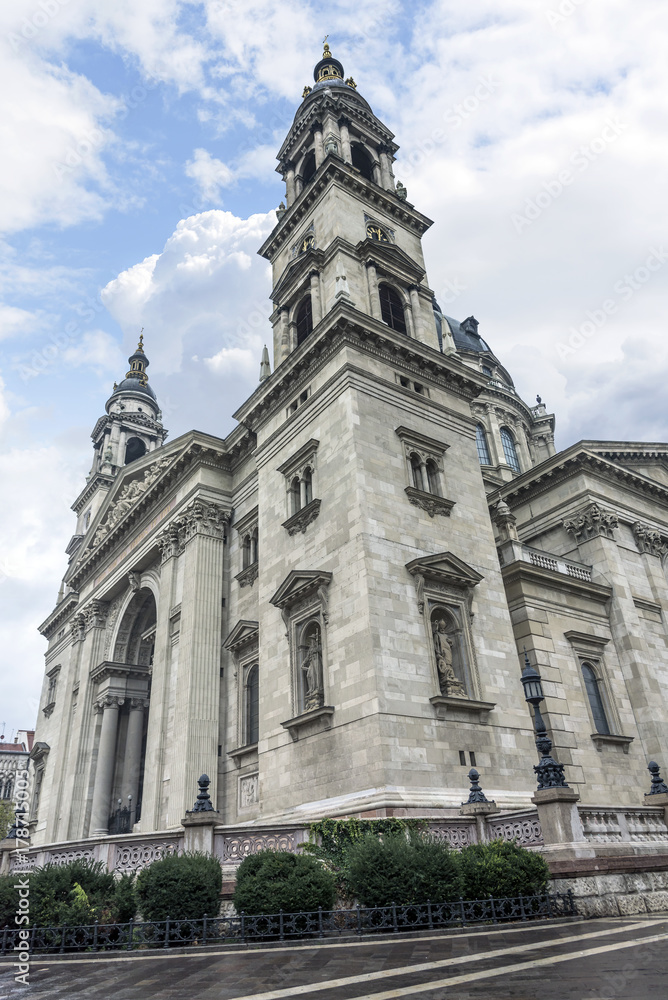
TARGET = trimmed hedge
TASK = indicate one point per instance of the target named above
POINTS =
(76, 893)
(502, 868)
(402, 871)
(180, 886)
(270, 881)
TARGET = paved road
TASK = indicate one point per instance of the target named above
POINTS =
(621, 959)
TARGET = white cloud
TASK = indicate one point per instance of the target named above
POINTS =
(210, 174)
(14, 320)
(97, 350)
(207, 288)
(236, 360)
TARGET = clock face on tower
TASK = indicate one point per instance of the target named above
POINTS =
(307, 243)
(376, 233)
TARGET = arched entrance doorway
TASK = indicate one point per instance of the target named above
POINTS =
(122, 700)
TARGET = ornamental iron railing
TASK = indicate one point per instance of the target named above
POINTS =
(241, 927)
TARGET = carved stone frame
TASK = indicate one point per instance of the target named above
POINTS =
(590, 649)
(428, 449)
(301, 598)
(244, 644)
(446, 581)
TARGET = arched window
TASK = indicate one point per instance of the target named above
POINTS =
(509, 449)
(481, 445)
(8, 789)
(304, 320)
(432, 476)
(295, 495)
(134, 449)
(362, 161)
(416, 469)
(392, 309)
(308, 486)
(254, 546)
(595, 699)
(252, 706)
(486, 370)
(308, 168)
(247, 556)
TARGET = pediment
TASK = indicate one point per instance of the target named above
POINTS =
(244, 632)
(392, 256)
(650, 461)
(445, 567)
(297, 584)
(129, 489)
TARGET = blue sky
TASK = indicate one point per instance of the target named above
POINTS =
(139, 145)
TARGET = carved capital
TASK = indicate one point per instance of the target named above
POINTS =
(590, 522)
(202, 517)
(170, 541)
(138, 703)
(109, 701)
(648, 540)
(78, 626)
(429, 502)
(95, 614)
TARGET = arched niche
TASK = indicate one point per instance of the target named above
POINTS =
(450, 651)
(136, 632)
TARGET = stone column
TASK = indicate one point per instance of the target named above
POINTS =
(374, 299)
(385, 171)
(106, 762)
(169, 543)
(303, 499)
(345, 140)
(316, 304)
(133, 742)
(290, 188)
(78, 730)
(196, 717)
(292, 336)
(318, 144)
(417, 316)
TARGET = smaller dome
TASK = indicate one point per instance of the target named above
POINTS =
(328, 69)
(134, 385)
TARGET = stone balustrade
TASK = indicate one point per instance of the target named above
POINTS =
(609, 825)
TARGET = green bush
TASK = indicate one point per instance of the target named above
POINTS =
(75, 893)
(6, 817)
(402, 871)
(9, 900)
(502, 868)
(270, 881)
(180, 886)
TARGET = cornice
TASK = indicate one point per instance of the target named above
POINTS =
(344, 324)
(334, 169)
(554, 470)
(59, 615)
(99, 481)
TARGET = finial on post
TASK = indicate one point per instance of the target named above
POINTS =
(658, 784)
(203, 803)
(476, 793)
(140, 345)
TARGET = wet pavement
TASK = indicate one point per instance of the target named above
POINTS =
(621, 959)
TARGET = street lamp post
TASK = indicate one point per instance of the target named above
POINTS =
(550, 774)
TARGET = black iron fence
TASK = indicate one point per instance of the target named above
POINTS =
(242, 928)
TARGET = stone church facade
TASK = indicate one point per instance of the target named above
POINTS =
(327, 610)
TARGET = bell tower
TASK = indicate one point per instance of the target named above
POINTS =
(131, 427)
(346, 231)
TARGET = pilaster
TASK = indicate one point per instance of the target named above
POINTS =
(196, 717)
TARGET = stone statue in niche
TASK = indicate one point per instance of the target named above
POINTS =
(449, 683)
(311, 667)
